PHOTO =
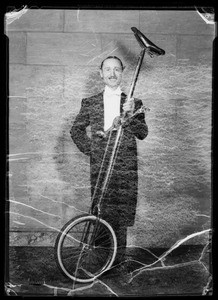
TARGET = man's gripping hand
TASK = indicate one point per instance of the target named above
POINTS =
(128, 106)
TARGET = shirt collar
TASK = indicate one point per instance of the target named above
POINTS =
(108, 91)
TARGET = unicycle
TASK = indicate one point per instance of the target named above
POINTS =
(86, 246)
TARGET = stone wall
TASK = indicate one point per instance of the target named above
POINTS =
(54, 58)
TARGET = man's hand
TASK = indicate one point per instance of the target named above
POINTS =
(116, 122)
(129, 106)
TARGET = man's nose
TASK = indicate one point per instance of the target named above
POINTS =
(113, 72)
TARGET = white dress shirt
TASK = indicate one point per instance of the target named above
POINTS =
(111, 105)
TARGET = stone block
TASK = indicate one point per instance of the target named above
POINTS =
(18, 140)
(48, 124)
(157, 21)
(38, 20)
(17, 126)
(81, 82)
(33, 238)
(189, 22)
(30, 81)
(197, 49)
(63, 48)
(47, 206)
(124, 46)
(17, 178)
(29, 217)
(119, 21)
(17, 47)
(36, 194)
(173, 21)
(17, 110)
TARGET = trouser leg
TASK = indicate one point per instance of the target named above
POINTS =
(121, 234)
(112, 214)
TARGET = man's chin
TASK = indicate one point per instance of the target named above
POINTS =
(112, 85)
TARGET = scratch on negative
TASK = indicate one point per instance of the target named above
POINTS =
(103, 53)
(77, 15)
(16, 202)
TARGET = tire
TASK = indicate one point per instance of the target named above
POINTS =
(85, 247)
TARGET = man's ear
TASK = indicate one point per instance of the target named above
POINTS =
(101, 74)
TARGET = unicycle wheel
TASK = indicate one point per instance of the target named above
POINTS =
(85, 248)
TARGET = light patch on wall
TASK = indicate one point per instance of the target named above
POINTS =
(77, 15)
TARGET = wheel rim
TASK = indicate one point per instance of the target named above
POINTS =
(84, 257)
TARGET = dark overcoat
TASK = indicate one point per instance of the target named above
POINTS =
(121, 198)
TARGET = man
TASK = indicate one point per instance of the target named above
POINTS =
(119, 204)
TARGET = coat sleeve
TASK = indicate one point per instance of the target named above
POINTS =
(137, 124)
(78, 131)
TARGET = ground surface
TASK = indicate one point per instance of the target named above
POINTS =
(184, 271)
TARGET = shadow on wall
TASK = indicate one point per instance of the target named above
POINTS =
(71, 164)
(67, 154)
(72, 167)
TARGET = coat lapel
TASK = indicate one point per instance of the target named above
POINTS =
(99, 111)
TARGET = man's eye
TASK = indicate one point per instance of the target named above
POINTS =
(115, 69)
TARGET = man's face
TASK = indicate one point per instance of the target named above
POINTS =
(111, 73)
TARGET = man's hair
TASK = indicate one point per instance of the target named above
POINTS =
(115, 57)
